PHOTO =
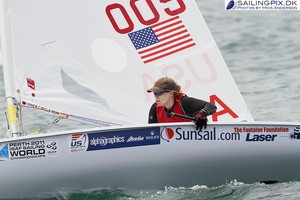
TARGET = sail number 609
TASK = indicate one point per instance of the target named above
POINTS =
(130, 26)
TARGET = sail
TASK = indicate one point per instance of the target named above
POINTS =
(94, 60)
(0, 57)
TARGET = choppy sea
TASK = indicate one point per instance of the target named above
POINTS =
(262, 51)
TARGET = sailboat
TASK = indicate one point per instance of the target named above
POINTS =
(92, 62)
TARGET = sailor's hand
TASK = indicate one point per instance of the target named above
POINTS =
(200, 122)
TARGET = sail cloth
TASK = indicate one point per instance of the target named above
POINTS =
(94, 60)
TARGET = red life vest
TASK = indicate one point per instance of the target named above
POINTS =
(161, 114)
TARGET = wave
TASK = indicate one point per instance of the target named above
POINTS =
(230, 191)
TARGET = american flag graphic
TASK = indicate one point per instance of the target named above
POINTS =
(76, 136)
(161, 39)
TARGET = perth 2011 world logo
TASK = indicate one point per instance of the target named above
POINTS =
(4, 152)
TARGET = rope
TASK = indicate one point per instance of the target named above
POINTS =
(40, 131)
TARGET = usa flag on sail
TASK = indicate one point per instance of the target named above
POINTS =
(161, 39)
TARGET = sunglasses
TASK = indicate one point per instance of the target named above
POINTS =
(159, 93)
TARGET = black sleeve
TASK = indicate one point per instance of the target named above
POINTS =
(192, 106)
(152, 114)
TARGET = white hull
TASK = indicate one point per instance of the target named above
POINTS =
(145, 159)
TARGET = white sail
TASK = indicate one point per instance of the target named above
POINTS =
(0, 57)
(94, 60)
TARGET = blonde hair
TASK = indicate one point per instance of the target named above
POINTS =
(177, 90)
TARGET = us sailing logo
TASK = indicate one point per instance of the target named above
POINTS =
(167, 134)
(229, 5)
(78, 142)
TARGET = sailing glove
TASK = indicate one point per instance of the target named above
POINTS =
(201, 120)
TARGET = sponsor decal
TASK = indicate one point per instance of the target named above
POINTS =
(78, 142)
(247, 134)
(67, 116)
(244, 134)
(261, 129)
(189, 134)
(31, 83)
(260, 137)
(262, 134)
(262, 5)
(32, 149)
(37, 107)
(135, 139)
(296, 133)
(123, 139)
(167, 135)
(4, 152)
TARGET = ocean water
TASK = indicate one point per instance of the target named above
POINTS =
(262, 51)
